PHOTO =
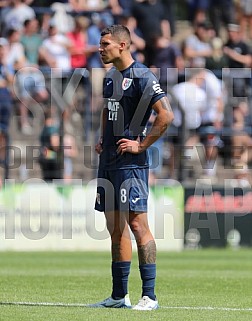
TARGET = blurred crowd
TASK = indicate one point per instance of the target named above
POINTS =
(205, 70)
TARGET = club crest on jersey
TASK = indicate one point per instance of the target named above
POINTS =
(126, 83)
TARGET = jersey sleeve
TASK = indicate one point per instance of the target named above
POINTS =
(150, 88)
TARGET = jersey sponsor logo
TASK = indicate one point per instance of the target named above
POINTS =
(126, 83)
(135, 200)
(113, 107)
(157, 89)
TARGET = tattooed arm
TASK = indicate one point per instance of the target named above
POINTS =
(164, 117)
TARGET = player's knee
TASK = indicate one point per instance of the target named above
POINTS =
(138, 228)
(114, 230)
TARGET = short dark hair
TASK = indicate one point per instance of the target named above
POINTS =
(10, 32)
(118, 31)
(203, 24)
(26, 22)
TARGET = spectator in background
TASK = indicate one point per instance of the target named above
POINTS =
(201, 98)
(218, 60)
(79, 52)
(42, 3)
(79, 49)
(170, 14)
(3, 4)
(197, 10)
(6, 82)
(70, 152)
(57, 46)
(188, 103)
(245, 19)
(239, 56)
(88, 5)
(137, 41)
(29, 2)
(31, 41)
(151, 21)
(29, 81)
(241, 141)
(212, 120)
(192, 99)
(50, 151)
(168, 61)
(120, 8)
(221, 12)
(197, 46)
(15, 15)
(62, 19)
(16, 56)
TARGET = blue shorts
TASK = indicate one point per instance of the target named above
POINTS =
(124, 190)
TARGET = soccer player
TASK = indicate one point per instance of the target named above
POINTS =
(131, 92)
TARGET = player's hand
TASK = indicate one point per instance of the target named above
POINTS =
(98, 147)
(128, 146)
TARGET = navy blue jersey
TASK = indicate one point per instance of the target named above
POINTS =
(128, 99)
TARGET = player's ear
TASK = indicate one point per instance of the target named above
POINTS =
(122, 45)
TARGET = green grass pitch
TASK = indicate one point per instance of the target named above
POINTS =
(197, 285)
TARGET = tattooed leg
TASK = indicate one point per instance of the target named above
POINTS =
(145, 242)
(147, 267)
(147, 253)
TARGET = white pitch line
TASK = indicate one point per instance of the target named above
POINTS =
(81, 305)
(209, 308)
(56, 304)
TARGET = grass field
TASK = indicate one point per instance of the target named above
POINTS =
(193, 285)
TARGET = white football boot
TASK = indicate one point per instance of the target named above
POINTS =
(145, 303)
